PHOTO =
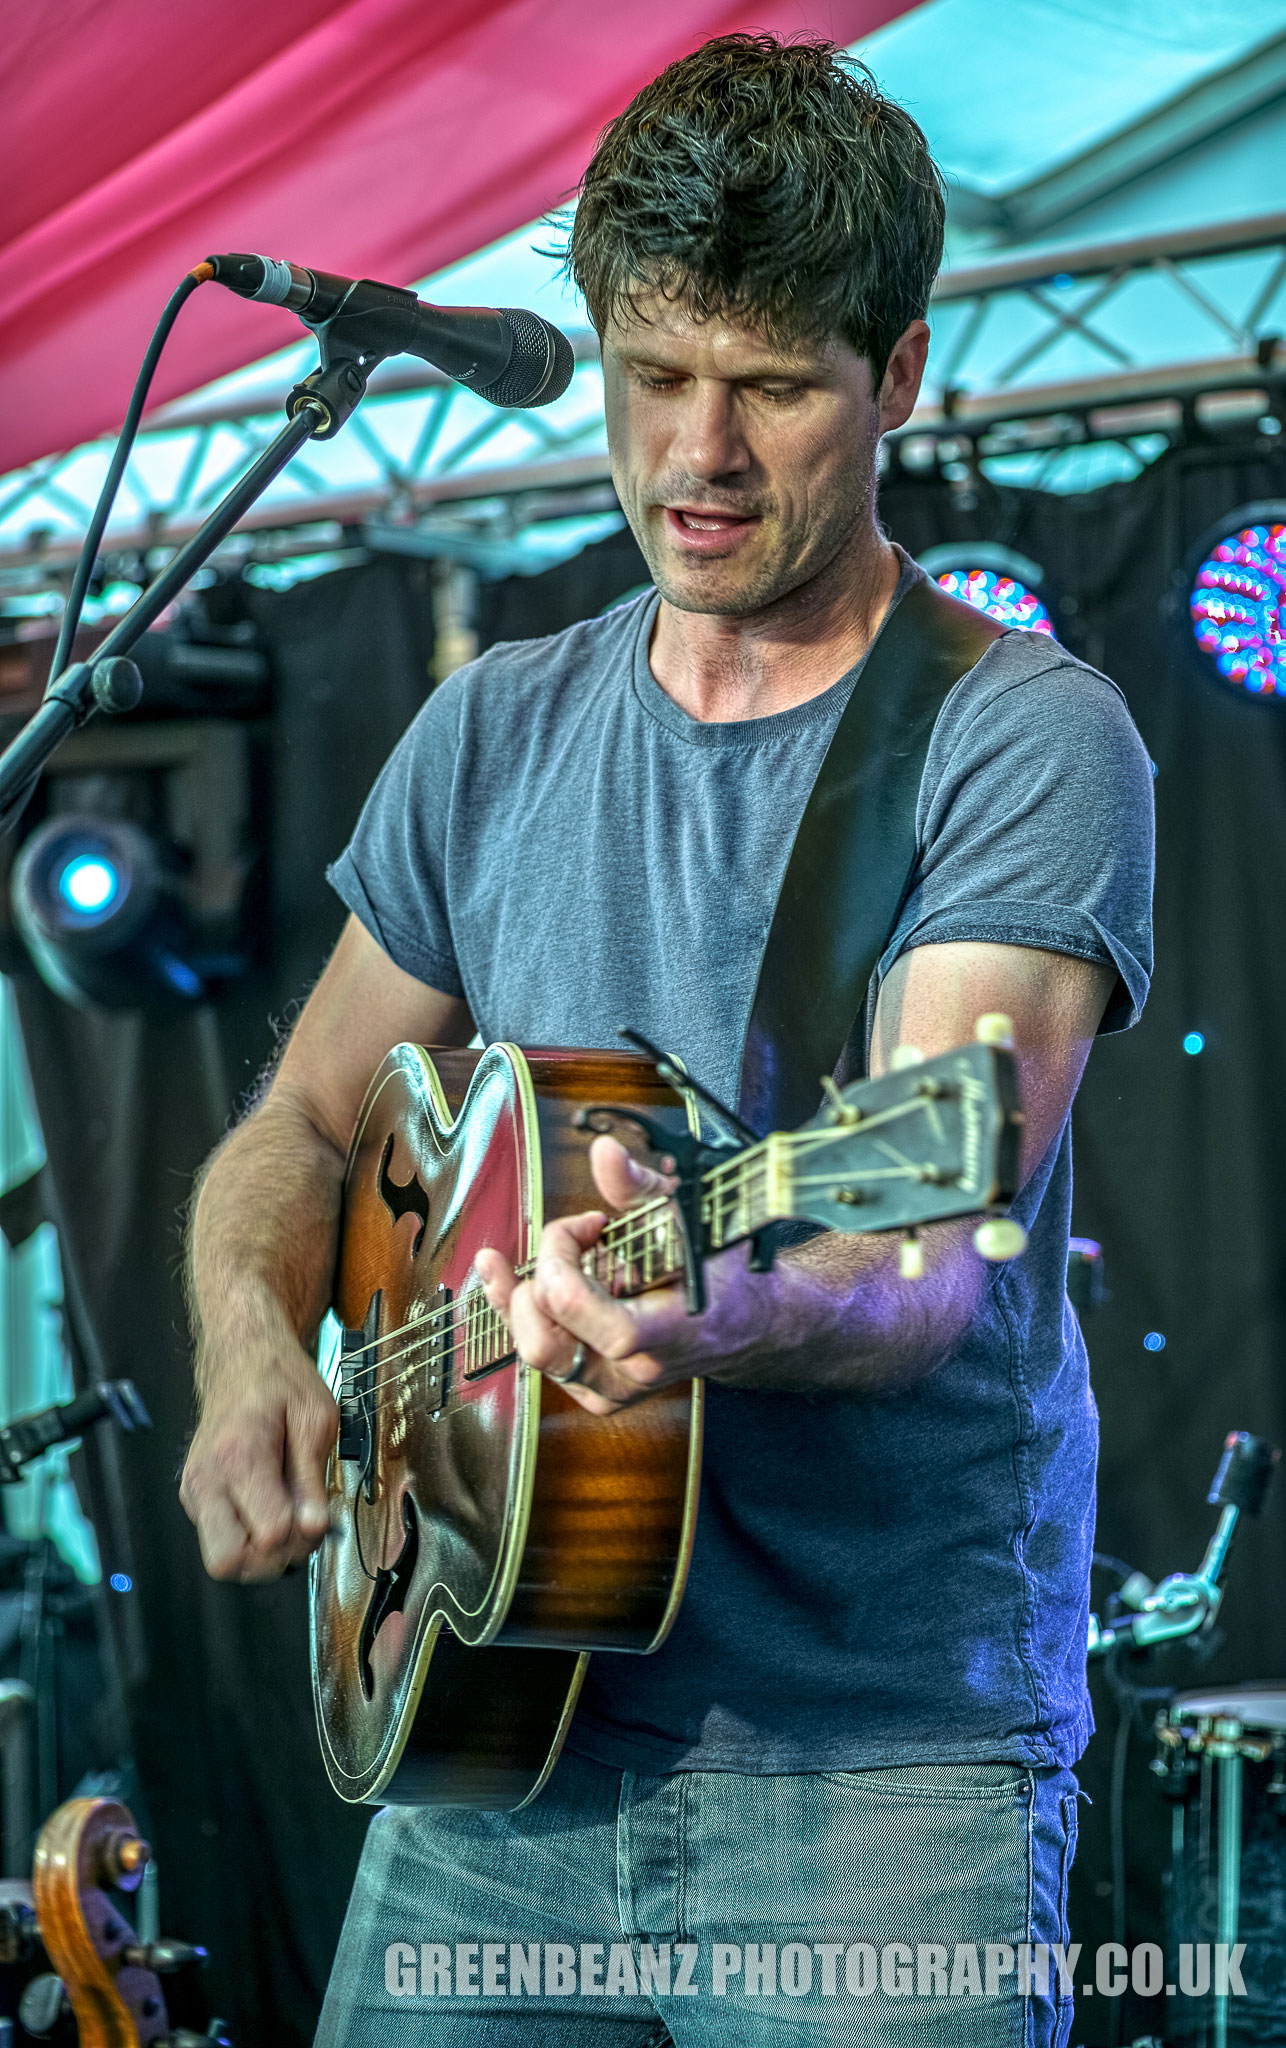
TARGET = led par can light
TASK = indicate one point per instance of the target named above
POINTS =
(995, 580)
(1236, 600)
(99, 908)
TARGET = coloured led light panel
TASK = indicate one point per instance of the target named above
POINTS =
(1003, 598)
(1238, 607)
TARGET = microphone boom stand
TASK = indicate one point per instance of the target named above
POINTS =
(316, 409)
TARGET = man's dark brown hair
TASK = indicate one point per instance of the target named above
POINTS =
(768, 183)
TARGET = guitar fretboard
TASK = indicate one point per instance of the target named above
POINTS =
(644, 1248)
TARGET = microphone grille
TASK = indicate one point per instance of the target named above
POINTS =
(540, 365)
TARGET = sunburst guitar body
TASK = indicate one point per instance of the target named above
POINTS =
(487, 1533)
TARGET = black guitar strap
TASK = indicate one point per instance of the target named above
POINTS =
(852, 860)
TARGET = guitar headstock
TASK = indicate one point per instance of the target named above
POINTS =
(924, 1142)
(929, 1140)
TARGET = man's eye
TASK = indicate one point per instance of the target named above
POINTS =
(779, 393)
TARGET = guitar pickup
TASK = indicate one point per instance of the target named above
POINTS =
(358, 1372)
(441, 1353)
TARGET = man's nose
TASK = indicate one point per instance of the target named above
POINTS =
(710, 441)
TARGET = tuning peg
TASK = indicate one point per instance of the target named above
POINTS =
(999, 1238)
(124, 1855)
(843, 1112)
(994, 1028)
(911, 1257)
(904, 1056)
(162, 1956)
(43, 2004)
(19, 1933)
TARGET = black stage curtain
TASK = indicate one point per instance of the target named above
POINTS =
(1179, 1175)
(1180, 1161)
(1180, 1170)
(255, 1853)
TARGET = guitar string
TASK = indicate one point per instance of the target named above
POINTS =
(472, 1313)
(628, 1242)
(626, 1236)
(473, 1319)
(450, 1399)
(749, 1164)
(481, 1321)
(620, 1232)
(425, 1324)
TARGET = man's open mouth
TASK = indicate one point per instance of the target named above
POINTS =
(709, 522)
(698, 529)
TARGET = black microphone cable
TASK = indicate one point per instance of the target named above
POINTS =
(116, 469)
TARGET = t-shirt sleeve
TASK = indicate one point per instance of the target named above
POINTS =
(1036, 823)
(392, 872)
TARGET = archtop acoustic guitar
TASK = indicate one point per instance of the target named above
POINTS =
(486, 1532)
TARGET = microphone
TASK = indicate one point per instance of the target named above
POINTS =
(26, 1438)
(507, 356)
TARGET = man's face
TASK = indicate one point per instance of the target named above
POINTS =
(743, 471)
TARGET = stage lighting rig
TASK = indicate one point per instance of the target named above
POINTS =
(100, 912)
(135, 890)
(995, 580)
(1236, 587)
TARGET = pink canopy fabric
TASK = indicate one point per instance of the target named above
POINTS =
(377, 138)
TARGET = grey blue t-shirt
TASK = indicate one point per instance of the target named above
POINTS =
(875, 1580)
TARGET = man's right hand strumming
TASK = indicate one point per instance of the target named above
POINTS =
(261, 1265)
(255, 1478)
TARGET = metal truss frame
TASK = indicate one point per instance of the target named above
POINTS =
(1067, 292)
(425, 442)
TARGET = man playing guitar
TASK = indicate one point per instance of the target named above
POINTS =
(862, 1727)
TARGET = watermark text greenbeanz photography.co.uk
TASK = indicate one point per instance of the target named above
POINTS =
(799, 1969)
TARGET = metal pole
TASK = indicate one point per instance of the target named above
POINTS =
(1229, 1872)
(17, 1805)
(23, 759)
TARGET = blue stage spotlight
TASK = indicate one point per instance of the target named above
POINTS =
(995, 580)
(1237, 599)
(98, 907)
(90, 884)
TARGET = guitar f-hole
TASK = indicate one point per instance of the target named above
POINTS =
(407, 1199)
(388, 1595)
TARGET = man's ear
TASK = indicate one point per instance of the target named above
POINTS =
(903, 376)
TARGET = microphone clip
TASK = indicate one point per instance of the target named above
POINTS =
(371, 322)
(351, 345)
(332, 391)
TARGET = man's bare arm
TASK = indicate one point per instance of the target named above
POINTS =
(261, 1260)
(833, 1315)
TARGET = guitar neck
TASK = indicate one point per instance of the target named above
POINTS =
(644, 1248)
(738, 1197)
(907, 1148)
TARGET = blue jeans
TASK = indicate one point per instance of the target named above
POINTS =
(880, 1909)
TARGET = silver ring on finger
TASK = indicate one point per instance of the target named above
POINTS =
(575, 1370)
